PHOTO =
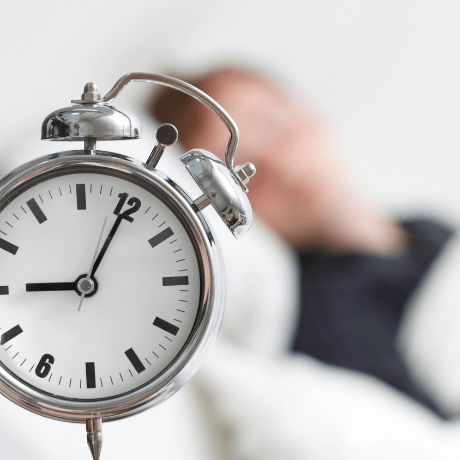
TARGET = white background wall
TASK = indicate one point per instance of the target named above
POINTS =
(386, 73)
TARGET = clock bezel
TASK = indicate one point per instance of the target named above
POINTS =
(210, 311)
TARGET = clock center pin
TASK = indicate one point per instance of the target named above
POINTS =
(87, 286)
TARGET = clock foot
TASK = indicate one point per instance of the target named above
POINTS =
(94, 436)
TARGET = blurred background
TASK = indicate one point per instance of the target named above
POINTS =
(384, 74)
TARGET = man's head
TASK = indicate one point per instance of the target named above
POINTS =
(298, 179)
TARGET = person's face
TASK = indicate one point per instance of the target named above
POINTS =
(298, 184)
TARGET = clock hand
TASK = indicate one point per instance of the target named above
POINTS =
(37, 287)
(106, 244)
(94, 260)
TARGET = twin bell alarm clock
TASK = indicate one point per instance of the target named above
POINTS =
(111, 281)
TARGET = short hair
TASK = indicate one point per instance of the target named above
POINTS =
(187, 114)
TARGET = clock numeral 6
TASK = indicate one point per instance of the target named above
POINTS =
(44, 366)
(135, 204)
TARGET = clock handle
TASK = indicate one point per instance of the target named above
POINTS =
(242, 173)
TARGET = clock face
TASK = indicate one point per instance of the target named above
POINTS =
(100, 284)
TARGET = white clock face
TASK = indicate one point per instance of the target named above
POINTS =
(141, 285)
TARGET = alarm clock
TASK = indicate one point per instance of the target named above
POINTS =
(112, 283)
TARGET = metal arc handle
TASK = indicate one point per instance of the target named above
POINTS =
(192, 91)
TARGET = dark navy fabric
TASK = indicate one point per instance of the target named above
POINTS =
(351, 306)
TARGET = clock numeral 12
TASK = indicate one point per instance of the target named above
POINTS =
(44, 366)
(135, 204)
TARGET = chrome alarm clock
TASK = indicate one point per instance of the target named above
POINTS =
(111, 281)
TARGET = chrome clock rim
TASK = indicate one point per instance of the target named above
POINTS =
(210, 311)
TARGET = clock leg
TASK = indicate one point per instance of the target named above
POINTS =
(94, 436)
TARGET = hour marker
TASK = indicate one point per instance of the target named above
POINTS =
(90, 374)
(4, 290)
(167, 327)
(162, 236)
(8, 247)
(81, 197)
(175, 280)
(11, 334)
(135, 361)
(36, 211)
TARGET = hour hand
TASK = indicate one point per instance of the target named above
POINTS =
(36, 287)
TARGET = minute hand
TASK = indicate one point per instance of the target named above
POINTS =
(106, 244)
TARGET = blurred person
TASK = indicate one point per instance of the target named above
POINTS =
(358, 268)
